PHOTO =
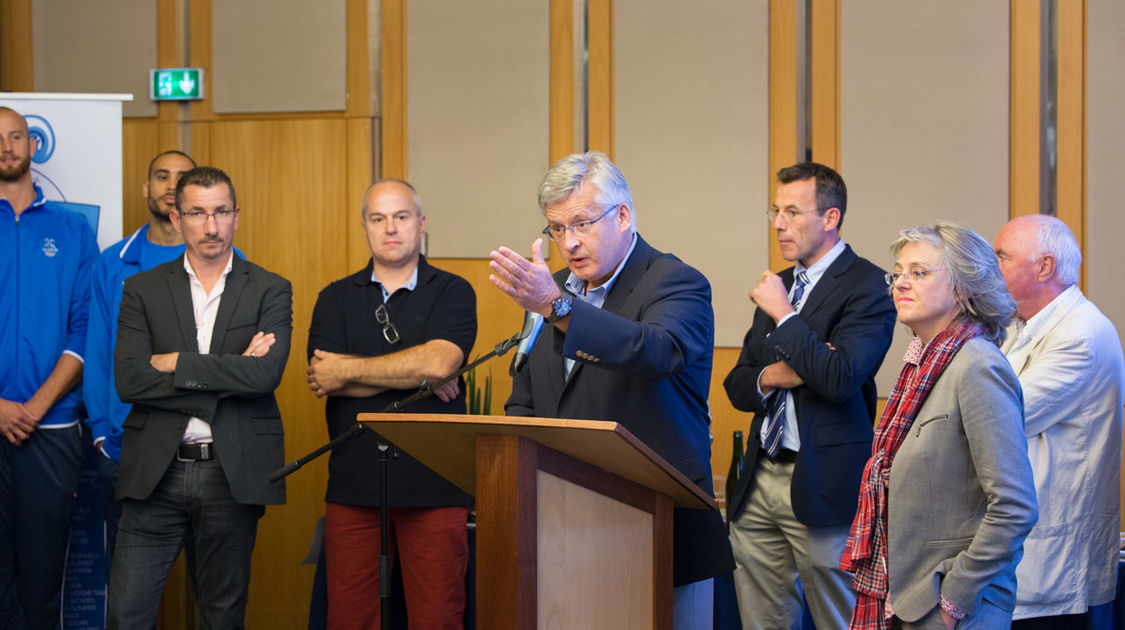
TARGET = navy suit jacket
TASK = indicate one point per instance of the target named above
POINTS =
(851, 309)
(232, 393)
(643, 360)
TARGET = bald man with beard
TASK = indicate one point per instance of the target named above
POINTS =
(46, 256)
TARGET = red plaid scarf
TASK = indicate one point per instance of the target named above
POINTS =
(866, 550)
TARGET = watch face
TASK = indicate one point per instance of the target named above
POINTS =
(560, 308)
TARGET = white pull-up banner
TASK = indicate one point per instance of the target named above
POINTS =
(77, 156)
(76, 160)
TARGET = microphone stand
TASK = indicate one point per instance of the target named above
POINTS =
(387, 453)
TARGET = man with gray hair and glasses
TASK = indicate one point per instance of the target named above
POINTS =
(631, 340)
(1068, 358)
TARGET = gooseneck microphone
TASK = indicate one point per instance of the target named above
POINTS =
(532, 326)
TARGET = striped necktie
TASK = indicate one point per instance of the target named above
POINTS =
(775, 421)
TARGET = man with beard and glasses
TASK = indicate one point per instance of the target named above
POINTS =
(46, 256)
(157, 242)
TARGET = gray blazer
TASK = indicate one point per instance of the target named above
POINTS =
(961, 498)
(233, 393)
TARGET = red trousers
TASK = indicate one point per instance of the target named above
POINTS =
(433, 547)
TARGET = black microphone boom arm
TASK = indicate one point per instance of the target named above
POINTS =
(425, 391)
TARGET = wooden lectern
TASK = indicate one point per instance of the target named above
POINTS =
(574, 517)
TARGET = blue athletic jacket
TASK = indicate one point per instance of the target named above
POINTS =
(117, 262)
(46, 259)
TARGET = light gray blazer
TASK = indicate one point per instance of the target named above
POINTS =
(961, 498)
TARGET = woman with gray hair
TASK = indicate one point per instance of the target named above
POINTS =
(947, 497)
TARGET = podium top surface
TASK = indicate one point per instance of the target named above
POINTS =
(446, 443)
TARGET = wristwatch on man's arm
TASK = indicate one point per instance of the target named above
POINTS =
(560, 308)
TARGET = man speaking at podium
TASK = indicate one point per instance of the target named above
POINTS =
(631, 340)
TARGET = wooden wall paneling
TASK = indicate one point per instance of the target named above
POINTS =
(562, 80)
(291, 180)
(1024, 124)
(561, 140)
(392, 46)
(171, 28)
(199, 45)
(825, 97)
(1071, 123)
(360, 175)
(725, 420)
(360, 60)
(199, 134)
(17, 63)
(361, 167)
(783, 147)
(600, 64)
(139, 143)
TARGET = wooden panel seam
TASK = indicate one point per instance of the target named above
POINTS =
(1023, 140)
(782, 103)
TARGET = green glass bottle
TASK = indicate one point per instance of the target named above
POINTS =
(735, 467)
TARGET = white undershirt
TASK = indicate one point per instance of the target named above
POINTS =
(206, 307)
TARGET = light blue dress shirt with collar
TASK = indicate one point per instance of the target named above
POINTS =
(596, 296)
(790, 439)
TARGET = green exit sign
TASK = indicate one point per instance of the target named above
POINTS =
(176, 84)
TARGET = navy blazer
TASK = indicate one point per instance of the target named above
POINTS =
(232, 393)
(643, 360)
(850, 308)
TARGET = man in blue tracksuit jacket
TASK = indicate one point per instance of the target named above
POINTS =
(47, 255)
(157, 242)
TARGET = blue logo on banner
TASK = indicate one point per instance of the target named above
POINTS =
(43, 137)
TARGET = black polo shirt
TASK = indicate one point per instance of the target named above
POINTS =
(441, 306)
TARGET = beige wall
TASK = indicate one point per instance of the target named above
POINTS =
(96, 47)
(924, 124)
(1106, 137)
(278, 56)
(477, 121)
(691, 136)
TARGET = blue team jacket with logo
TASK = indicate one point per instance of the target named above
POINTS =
(46, 261)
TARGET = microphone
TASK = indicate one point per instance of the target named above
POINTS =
(532, 326)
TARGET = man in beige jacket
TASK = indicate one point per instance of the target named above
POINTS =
(1069, 362)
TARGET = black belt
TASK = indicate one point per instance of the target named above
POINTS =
(784, 456)
(198, 452)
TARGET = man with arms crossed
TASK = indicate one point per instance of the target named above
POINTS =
(631, 340)
(46, 257)
(1068, 358)
(807, 371)
(202, 342)
(375, 336)
(157, 242)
